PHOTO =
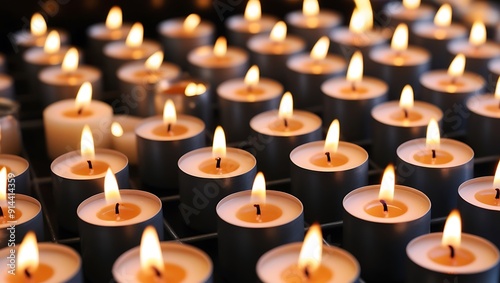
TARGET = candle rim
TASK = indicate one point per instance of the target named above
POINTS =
(379, 52)
(19, 160)
(474, 102)
(225, 88)
(494, 66)
(327, 19)
(296, 61)
(197, 55)
(373, 37)
(422, 29)
(169, 71)
(236, 23)
(26, 38)
(27, 199)
(427, 78)
(88, 72)
(396, 9)
(259, 44)
(99, 31)
(488, 182)
(328, 87)
(274, 115)
(157, 120)
(170, 28)
(114, 48)
(462, 45)
(34, 55)
(436, 113)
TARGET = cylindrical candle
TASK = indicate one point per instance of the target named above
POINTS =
(494, 73)
(123, 136)
(401, 12)
(6, 86)
(10, 130)
(19, 167)
(482, 124)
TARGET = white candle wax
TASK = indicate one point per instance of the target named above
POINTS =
(303, 63)
(203, 56)
(290, 206)
(410, 57)
(10, 130)
(385, 112)
(324, 19)
(431, 31)
(136, 73)
(127, 142)
(344, 36)
(28, 208)
(120, 51)
(262, 122)
(56, 76)
(272, 264)
(494, 66)
(303, 154)
(193, 126)
(485, 253)
(238, 23)
(196, 263)
(484, 105)
(398, 11)
(174, 28)
(64, 262)
(486, 50)
(16, 164)
(237, 90)
(26, 39)
(101, 32)
(469, 189)
(367, 88)
(149, 205)
(439, 80)
(264, 45)
(37, 56)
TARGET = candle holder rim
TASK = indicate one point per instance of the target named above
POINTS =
(17, 158)
(474, 76)
(233, 19)
(275, 112)
(473, 181)
(107, 49)
(478, 98)
(329, 57)
(240, 82)
(159, 118)
(382, 35)
(387, 47)
(417, 103)
(178, 21)
(29, 199)
(265, 37)
(326, 91)
(165, 84)
(29, 54)
(205, 50)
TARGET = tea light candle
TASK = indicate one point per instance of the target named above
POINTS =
(137, 81)
(452, 255)
(111, 223)
(160, 143)
(281, 131)
(262, 221)
(312, 23)
(10, 130)
(68, 116)
(342, 97)
(449, 90)
(173, 261)
(408, 12)
(6, 86)
(179, 36)
(469, 12)
(400, 64)
(436, 36)
(40, 262)
(323, 172)
(270, 52)
(80, 174)
(123, 136)
(435, 166)
(19, 167)
(62, 82)
(392, 215)
(396, 122)
(209, 174)
(241, 99)
(310, 260)
(240, 28)
(306, 73)
(494, 72)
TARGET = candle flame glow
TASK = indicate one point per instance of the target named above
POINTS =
(286, 106)
(253, 11)
(135, 36)
(406, 100)
(312, 250)
(87, 144)
(258, 195)
(116, 129)
(38, 26)
(443, 16)
(3, 186)
(191, 22)
(52, 43)
(278, 33)
(399, 40)
(387, 185)
(411, 4)
(252, 76)
(457, 66)
(193, 89)
(332, 137)
(477, 35)
(219, 143)
(150, 254)
(28, 257)
(362, 17)
(83, 97)
(452, 232)
(220, 47)
(154, 61)
(355, 68)
(111, 191)
(497, 90)
(310, 8)
(496, 179)
(70, 61)
(169, 113)
(320, 49)
(114, 18)
(433, 137)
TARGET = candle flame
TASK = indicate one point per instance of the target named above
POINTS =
(191, 22)
(399, 40)
(220, 47)
(84, 96)
(355, 68)
(411, 4)
(406, 100)
(114, 18)
(28, 257)
(387, 185)
(496, 179)
(452, 232)
(150, 252)
(497, 90)
(253, 11)
(252, 76)
(169, 113)
(362, 17)
(310, 8)
(457, 66)
(477, 35)
(193, 89)
(116, 129)
(70, 61)
(111, 191)
(3, 186)
(52, 43)
(154, 61)
(278, 33)
(312, 250)
(320, 49)
(219, 143)
(433, 137)
(135, 36)
(258, 195)
(38, 26)
(443, 16)
(87, 144)
(286, 106)
(332, 137)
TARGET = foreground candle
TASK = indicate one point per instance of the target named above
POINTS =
(452, 256)
(392, 215)
(10, 129)
(259, 219)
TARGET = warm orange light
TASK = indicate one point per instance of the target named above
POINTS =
(70, 61)
(433, 137)
(116, 129)
(135, 36)
(399, 40)
(252, 76)
(406, 100)
(452, 232)
(355, 68)
(286, 106)
(312, 249)
(219, 143)
(253, 11)
(411, 4)
(28, 257)
(332, 137)
(111, 191)
(193, 89)
(496, 179)
(191, 22)
(310, 8)
(87, 144)
(258, 195)
(169, 113)
(38, 26)
(150, 252)
(362, 17)
(154, 61)
(443, 16)
(3, 186)
(497, 90)
(477, 34)
(387, 185)
(278, 33)
(320, 49)
(52, 43)
(114, 18)
(220, 47)
(457, 66)
(83, 97)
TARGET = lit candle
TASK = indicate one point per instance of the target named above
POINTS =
(277, 132)
(10, 130)
(323, 172)
(80, 174)
(138, 80)
(111, 223)
(306, 73)
(452, 256)
(6, 86)
(155, 261)
(436, 36)
(63, 122)
(259, 219)
(470, 11)
(62, 82)
(391, 215)
(449, 90)
(240, 28)
(241, 99)
(354, 94)
(207, 175)
(395, 122)
(123, 136)
(435, 166)
(408, 12)
(312, 23)
(270, 52)
(400, 64)
(40, 262)
(19, 167)
(310, 261)
(160, 143)
(179, 36)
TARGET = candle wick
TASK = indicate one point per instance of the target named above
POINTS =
(156, 271)
(285, 121)
(353, 86)
(89, 162)
(217, 164)
(249, 89)
(258, 212)
(169, 127)
(79, 111)
(117, 209)
(384, 204)
(433, 154)
(306, 272)
(27, 273)
(497, 196)
(452, 251)
(453, 80)
(328, 157)
(2, 215)
(405, 111)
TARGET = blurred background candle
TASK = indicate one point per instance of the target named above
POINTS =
(470, 11)
(408, 12)
(6, 86)
(306, 73)
(452, 256)
(351, 99)
(123, 136)
(494, 73)
(18, 168)
(10, 129)
(179, 36)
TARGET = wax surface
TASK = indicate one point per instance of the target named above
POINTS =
(336, 159)
(43, 273)
(126, 211)
(425, 157)
(395, 208)
(488, 197)
(83, 168)
(173, 273)
(293, 275)
(268, 212)
(441, 255)
(227, 165)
